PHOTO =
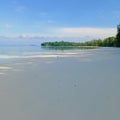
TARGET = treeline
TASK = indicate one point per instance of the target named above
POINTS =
(108, 42)
(61, 43)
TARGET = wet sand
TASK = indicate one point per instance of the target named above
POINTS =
(60, 88)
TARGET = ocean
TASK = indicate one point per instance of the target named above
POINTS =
(13, 53)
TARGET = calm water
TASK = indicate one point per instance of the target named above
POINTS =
(11, 53)
(85, 86)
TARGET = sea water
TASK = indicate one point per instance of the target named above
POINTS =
(12, 53)
(15, 52)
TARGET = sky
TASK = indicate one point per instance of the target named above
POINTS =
(64, 19)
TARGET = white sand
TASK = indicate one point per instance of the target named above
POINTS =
(4, 68)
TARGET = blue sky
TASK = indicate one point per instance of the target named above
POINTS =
(83, 19)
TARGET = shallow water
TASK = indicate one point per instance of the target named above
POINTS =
(84, 86)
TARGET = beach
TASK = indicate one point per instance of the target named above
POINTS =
(65, 86)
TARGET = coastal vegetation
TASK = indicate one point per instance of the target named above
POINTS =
(117, 41)
(107, 42)
(66, 45)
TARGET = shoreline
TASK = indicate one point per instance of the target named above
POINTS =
(21, 61)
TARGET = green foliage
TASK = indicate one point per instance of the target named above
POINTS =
(61, 43)
(66, 45)
(108, 42)
(94, 43)
(117, 43)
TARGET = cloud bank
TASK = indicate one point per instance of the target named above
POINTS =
(87, 32)
(75, 34)
(7, 26)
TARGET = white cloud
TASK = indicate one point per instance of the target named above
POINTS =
(50, 21)
(86, 31)
(43, 14)
(69, 34)
(24, 36)
(8, 26)
(20, 9)
(31, 35)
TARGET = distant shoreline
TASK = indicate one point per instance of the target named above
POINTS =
(67, 45)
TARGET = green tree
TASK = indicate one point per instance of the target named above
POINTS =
(117, 43)
(109, 42)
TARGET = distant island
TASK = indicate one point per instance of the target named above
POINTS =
(107, 42)
(66, 45)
